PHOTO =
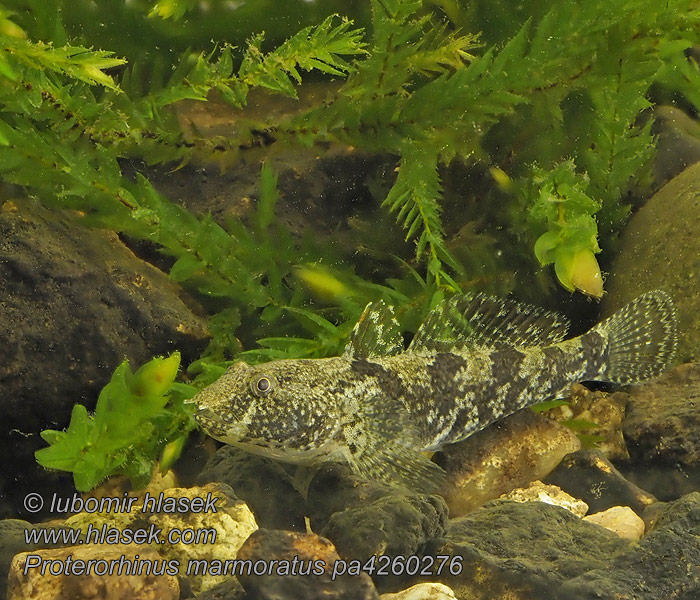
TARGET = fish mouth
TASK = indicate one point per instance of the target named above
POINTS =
(237, 434)
(204, 416)
(281, 452)
(219, 428)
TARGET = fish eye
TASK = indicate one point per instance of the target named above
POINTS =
(262, 385)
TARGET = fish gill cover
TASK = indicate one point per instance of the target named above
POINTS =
(543, 108)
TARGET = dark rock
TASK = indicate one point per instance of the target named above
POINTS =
(75, 303)
(652, 514)
(185, 588)
(666, 482)
(662, 430)
(394, 525)
(11, 543)
(678, 142)
(520, 550)
(264, 485)
(663, 514)
(662, 424)
(664, 564)
(534, 550)
(335, 488)
(226, 590)
(660, 248)
(319, 191)
(588, 475)
(303, 571)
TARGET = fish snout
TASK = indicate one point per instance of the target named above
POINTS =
(204, 413)
(209, 421)
(219, 427)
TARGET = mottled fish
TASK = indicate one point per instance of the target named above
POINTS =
(475, 359)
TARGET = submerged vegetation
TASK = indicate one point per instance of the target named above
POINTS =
(544, 111)
(138, 415)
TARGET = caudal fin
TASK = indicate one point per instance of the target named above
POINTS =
(642, 338)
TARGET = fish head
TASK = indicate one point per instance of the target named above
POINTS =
(284, 409)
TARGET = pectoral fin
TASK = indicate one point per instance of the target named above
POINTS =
(383, 445)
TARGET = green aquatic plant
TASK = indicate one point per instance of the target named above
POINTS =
(138, 416)
(571, 238)
(419, 90)
(56, 125)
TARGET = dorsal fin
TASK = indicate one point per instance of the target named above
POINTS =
(377, 333)
(467, 321)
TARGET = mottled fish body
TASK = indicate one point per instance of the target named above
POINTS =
(474, 360)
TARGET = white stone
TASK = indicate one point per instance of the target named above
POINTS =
(230, 523)
(621, 520)
(422, 591)
(551, 494)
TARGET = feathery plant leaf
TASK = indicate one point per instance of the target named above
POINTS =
(319, 47)
(75, 62)
(414, 198)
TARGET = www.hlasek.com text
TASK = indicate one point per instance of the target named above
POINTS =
(106, 534)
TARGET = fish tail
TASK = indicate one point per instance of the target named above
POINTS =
(642, 338)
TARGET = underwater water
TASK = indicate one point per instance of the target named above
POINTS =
(375, 299)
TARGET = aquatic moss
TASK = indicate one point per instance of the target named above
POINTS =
(568, 86)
